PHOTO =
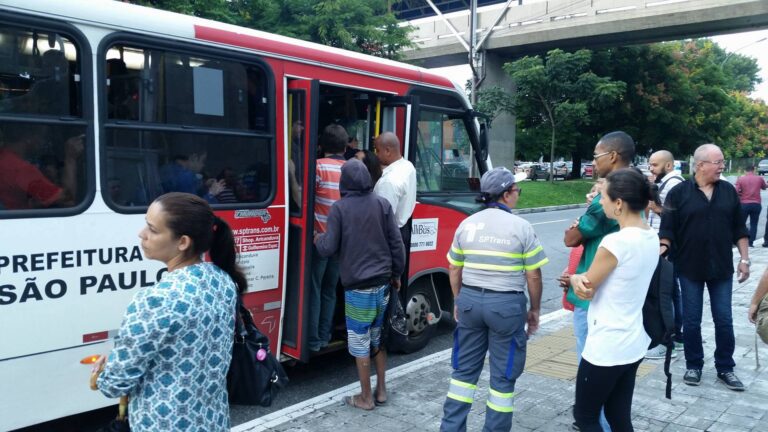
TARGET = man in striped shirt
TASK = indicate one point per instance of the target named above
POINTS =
(325, 271)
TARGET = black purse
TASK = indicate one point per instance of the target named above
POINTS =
(395, 331)
(255, 375)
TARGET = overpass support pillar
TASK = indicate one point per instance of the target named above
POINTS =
(502, 134)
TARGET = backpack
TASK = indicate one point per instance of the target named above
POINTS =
(659, 314)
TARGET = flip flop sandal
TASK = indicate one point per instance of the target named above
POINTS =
(350, 400)
(377, 402)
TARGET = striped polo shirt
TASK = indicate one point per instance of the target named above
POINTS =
(327, 177)
(495, 249)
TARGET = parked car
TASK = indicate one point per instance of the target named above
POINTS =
(563, 170)
(588, 171)
(524, 167)
(539, 172)
(762, 167)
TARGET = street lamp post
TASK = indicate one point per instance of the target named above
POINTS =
(728, 56)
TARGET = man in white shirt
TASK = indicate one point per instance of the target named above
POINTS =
(398, 186)
(398, 180)
(662, 166)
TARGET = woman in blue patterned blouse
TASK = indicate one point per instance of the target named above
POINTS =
(174, 346)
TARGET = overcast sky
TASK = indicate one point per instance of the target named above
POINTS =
(753, 44)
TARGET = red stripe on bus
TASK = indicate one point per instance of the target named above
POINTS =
(295, 50)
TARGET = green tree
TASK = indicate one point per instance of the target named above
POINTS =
(559, 94)
(366, 26)
(493, 101)
(679, 94)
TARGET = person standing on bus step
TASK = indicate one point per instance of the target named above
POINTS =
(362, 229)
(325, 270)
(398, 186)
(614, 151)
(748, 187)
(174, 346)
(493, 257)
(616, 283)
(398, 180)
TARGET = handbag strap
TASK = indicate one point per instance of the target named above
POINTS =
(241, 331)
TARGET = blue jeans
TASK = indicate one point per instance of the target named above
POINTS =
(580, 329)
(751, 211)
(720, 302)
(322, 299)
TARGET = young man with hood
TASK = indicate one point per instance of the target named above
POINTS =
(361, 227)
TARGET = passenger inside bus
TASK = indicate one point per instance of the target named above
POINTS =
(122, 95)
(22, 184)
(372, 162)
(185, 174)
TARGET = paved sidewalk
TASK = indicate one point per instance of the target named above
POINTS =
(544, 393)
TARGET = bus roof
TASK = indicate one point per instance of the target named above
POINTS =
(128, 17)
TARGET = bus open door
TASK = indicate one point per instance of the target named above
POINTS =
(302, 143)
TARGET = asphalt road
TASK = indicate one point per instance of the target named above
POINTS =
(337, 369)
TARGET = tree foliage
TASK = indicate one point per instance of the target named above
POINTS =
(558, 94)
(673, 95)
(366, 26)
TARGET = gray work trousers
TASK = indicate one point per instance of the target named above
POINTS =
(489, 322)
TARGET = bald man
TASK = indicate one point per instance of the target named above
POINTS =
(662, 166)
(702, 221)
(398, 180)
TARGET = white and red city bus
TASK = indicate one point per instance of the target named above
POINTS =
(105, 105)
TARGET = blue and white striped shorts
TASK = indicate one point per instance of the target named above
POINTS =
(365, 310)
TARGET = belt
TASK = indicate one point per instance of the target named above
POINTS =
(490, 291)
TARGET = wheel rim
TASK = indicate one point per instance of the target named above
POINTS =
(416, 312)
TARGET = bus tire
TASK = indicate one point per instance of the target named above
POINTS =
(420, 302)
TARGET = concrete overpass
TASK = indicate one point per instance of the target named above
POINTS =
(536, 27)
(516, 28)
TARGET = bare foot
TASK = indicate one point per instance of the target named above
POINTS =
(356, 401)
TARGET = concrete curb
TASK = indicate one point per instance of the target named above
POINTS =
(548, 209)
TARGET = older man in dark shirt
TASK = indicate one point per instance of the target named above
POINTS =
(702, 221)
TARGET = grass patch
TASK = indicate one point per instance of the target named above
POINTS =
(544, 193)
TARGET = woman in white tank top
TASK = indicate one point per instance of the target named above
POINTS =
(616, 283)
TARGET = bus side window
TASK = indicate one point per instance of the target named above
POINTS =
(42, 158)
(193, 132)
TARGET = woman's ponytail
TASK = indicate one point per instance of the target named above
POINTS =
(222, 253)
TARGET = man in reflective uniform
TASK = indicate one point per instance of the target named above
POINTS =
(494, 256)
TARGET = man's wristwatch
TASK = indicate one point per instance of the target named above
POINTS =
(745, 261)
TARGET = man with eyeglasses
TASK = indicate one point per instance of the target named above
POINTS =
(702, 221)
(614, 151)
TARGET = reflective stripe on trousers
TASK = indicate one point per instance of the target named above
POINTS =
(501, 402)
(461, 391)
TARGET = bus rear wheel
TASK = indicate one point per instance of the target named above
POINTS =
(420, 306)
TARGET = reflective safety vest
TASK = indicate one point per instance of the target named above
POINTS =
(495, 249)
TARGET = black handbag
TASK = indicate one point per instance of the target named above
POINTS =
(395, 329)
(255, 375)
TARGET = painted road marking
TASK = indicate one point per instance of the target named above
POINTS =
(554, 221)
